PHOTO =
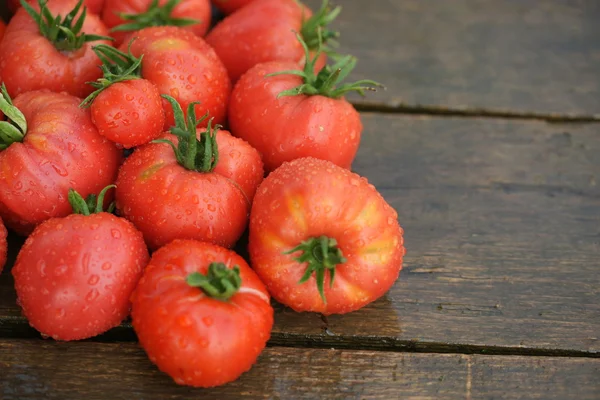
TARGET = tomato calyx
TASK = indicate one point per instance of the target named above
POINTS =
(14, 129)
(321, 254)
(92, 204)
(155, 15)
(328, 82)
(314, 32)
(65, 34)
(116, 67)
(201, 155)
(219, 282)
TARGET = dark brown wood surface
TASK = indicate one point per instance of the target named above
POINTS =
(38, 369)
(477, 55)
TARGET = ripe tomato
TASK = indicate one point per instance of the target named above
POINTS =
(74, 275)
(56, 147)
(185, 195)
(320, 232)
(183, 66)
(146, 13)
(93, 6)
(195, 328)
(31, 61)
(2, 28)
(264, 31)
(229, 6)
(3, 245)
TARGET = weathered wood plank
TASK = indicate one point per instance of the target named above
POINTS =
(34, 369)
(502, 222)
(501, 55)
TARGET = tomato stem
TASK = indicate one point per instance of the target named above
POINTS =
(14, 129)
(195, 154)
(92, 204)
(314, 32)
(65, 34)
(219, 282)
(155, 15)
(321, 254)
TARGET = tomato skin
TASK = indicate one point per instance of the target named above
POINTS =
(166, 201)
(129, 113)
(28, 61)
(196, 9)
(292, 126)
(262, 31)
(185, 67)
(3, 245)
(230, 6)
(2, 29)
(74, 275)
(197, 340)
(308, 198)
(93, 6)
(61, 149)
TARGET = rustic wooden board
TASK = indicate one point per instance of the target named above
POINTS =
(34, 369)
(502, 223)
(477, 54)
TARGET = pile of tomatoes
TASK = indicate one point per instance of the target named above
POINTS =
(116, 164)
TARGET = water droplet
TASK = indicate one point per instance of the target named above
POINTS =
(86, 263)
(106, 266)
(41, 265)
(60, 270)
(60, 313)
(92, 295)
(192, 79)
(391, 220)
(208, 321)
(211, 207)
(128, 97)
(93, 279)
(184, 321)
(115, 233)
(18, 185)
(117, 116)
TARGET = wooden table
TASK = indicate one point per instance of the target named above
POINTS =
(487, 142)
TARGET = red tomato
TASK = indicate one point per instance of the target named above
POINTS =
(74, 275)
(190, 327)
(311, 219)
(93, 6)
(61, 149)
(290, 127)
(129, 113)
(146, 15)
(263, 31)
(229, 6)
(167, 200)
(29, 61)
(3, 245)
(183, 66)
(2, 28)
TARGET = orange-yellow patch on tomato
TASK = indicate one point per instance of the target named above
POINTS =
(353, 292)
(295, 205)
(169, 44)
(38, 142)
(368, 216)
(271, 241)
(378, 251)
(147, 173)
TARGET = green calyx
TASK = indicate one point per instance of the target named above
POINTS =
(219, 282)
(92, 204)
(195, 154)
(328, 82)
(321, 254)
(155, 15)
(65, 34)
(116, 67)
(14, 129)
(314, 30)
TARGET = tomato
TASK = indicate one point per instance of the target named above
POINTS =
(93, 6)
(195, 328)
(56, 147)
(323, 239)
(189, 195)
(3, 245)
(229, 6)
(144, 13)
(2, 29)
(264, 31)
(125, 109)
(30, 61)
(183, 66)
(74, 275)
(288, 116)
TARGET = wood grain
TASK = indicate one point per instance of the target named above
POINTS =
(35, 369)
(502, 222)
(476, 54)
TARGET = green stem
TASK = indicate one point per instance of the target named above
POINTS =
(92, 204)
(321, 254)
(155, 15)
(314, 30)
(219, 282)
(15, 128)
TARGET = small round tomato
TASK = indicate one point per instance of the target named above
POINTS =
(74, 275)
(203, 190)
(192, 15)
(183, 66)
(201, 313)
(3, 245)
(53, 146)
(265, 30)
(323, 239)
(60, 59)
(229, 6)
